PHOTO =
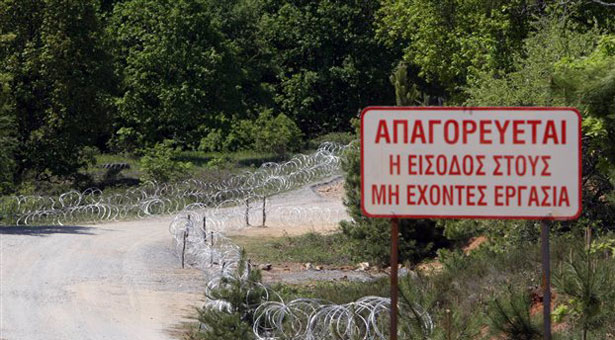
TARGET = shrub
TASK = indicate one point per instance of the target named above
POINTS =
(268, 133)
(158, 163)
(371, 236)
(241, 136)
(587, 279)
(510, 317)
(280, 134)
(212, 142)
(240, 293)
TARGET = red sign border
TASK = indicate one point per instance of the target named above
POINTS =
(472, 108)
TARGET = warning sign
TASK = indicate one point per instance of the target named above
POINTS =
(455, 162)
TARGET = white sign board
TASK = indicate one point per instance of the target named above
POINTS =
(456, 162)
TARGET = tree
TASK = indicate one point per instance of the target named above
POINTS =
(7, 136)
(179, 75)
(586, 278)
(238, 21)
(452, 39)
(510, 317)
(563, 64)
(329, 64)
(60, 78)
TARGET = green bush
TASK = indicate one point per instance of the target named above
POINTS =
(510, 317)
(280, 134)
(158, 163)
(586, 278)
(268, 133)
(241, 136)
(213, 141)
(371, 237)
(243, 293)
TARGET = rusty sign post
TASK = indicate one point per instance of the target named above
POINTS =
(546, 279)
(394, 283)
(471, 163)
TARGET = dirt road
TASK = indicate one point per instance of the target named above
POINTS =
(113, 281)
(118, 281)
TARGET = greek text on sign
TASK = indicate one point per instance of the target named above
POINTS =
(437, 162)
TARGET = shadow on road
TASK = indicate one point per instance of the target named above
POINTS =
(45, 230)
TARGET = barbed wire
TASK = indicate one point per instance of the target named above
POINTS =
(204, 212)
(198, 233)
(151, 198)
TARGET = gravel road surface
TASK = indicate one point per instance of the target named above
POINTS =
(118, 281)
(113, 281)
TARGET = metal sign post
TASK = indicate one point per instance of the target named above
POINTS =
(546, 279)
(394, 284)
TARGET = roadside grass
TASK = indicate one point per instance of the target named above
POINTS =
(323, 249)
(206, 165)
(238, 159)
(337, 292)
(471, 296)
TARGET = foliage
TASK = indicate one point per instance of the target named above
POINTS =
(587, 279)
(268, 133)
(460, 231)
(451, 40)
(159, 164)
(177, 70)
(241, 292)
(328, 63)
(239, 22)
(529, 83)
(127, 74)
(605, 246)
(407, 92)
(60, 81)
(279, 135)
(213, 141)
(241, 136)
(224, 327)
(423, 317)
(510, 317)
(563, 65)
(8, 141)
(371, 236)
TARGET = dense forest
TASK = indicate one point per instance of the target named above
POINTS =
(80, 77)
